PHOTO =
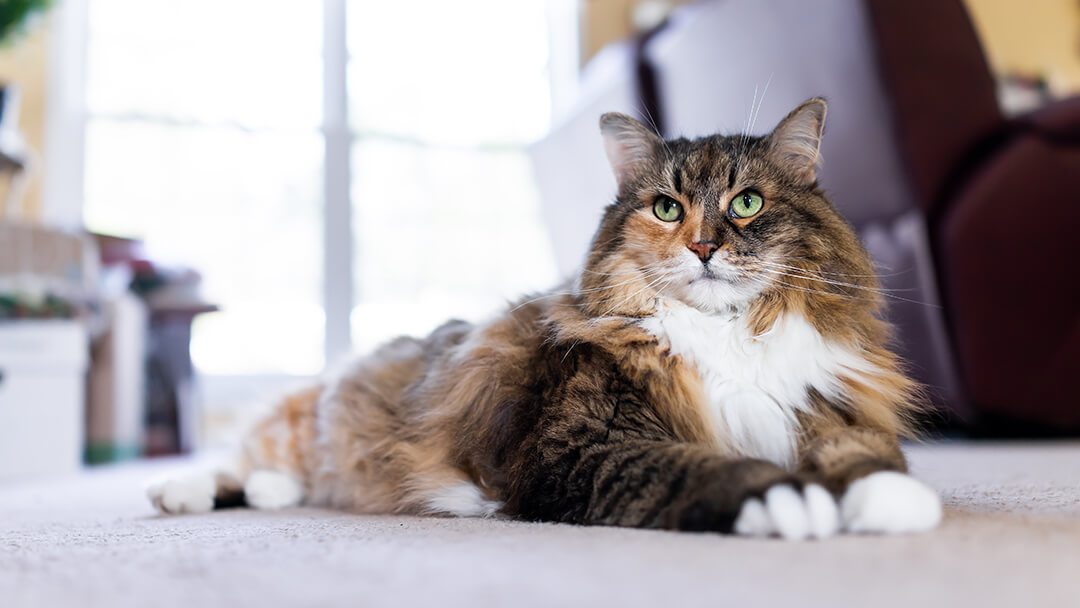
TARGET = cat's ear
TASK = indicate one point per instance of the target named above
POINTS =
(795, 143)
(631, 146)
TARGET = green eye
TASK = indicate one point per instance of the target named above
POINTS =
(667, 209)
(746, 204)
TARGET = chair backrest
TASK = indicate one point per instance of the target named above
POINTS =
(940, 86)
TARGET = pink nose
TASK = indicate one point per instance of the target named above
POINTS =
(703, 249)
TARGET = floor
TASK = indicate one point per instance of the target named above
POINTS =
(1011, 537)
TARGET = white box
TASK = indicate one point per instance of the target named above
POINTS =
(42, 397)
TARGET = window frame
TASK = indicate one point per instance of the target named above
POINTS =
(337, 183)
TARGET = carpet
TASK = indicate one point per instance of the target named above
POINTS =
(1010, 537)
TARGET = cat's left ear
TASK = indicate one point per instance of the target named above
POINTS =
(795, 143)
(631, 146)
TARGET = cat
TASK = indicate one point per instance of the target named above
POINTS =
(719, 364)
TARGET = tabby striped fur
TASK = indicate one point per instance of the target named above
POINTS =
(658, 389)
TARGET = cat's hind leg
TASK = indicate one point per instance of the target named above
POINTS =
(205, 488)
(266, 489)
(197, 489)
(269, 473)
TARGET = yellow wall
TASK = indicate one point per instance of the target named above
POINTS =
(602, 22)
(606, 21)
(23, 60)
(1032, 37)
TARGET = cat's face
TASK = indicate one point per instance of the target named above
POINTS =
(719, 222)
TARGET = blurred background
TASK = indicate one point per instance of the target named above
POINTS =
(205, 203)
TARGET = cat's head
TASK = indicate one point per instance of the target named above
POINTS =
(722, 222)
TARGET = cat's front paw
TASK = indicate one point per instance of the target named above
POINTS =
(889, 503)
(789, 513)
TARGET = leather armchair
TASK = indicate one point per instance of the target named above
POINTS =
(1001, 198)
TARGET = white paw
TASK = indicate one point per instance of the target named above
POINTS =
(462, 499)
(890, 503)
(272, 490)
(789, 514)
(191, 493)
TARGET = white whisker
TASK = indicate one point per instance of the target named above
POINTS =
(804, 273)
(631, 296)
(777, 282)
(869, 289)
(824, 272)
(753, 123)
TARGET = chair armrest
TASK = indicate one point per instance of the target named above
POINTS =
(1059, 119)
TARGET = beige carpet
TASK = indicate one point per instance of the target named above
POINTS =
(1011, 537)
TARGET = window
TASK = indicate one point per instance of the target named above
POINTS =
(210, 133)
(446, 218)
(205, 143)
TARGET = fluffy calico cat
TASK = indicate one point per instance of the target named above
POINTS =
(719, 364)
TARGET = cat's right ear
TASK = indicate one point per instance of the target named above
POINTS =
(631, 146)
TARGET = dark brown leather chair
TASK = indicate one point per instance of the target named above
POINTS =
(1001, 198)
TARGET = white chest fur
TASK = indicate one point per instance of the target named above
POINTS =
(755, 385)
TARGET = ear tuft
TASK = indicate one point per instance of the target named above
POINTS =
(795, 143)
(631, 146)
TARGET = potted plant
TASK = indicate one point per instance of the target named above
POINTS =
(15, 13)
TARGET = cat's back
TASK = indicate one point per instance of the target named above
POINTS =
(421, 377)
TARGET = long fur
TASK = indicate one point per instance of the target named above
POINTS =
(657, 388)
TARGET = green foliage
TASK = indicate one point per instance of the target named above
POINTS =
(22, 306)
(13, 13)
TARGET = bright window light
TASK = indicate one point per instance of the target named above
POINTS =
(443, 97)
(204, 139)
